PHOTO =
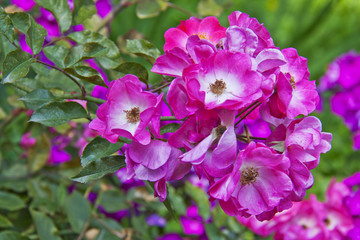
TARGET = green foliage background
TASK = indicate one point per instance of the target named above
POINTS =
(34, 203)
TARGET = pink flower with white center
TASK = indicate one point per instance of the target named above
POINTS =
(302, 141)
(208, 28)
(217, 151)
(295, 93)
(224, 80)
(127, 111)
(243, 21)
(258, 182)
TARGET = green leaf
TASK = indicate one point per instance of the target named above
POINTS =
(78, 211)
(37, 98)
(6, 27)
(113, 200)
(99, 168)
(60, 9)
(201, 199)
(134, 68)
(35, 33)
(21, 21)
(172, 127)
(176, 200)
(44, 226)
(143, 49)
(82, 52)
(93, 37)
(98, 148)
(213, 232)
(57, 54)
(87, 74)
(16, 65)
(150, 8)
(83, 10)
(4, 222)
(112, 57)
(5, 48)
(10, 235)
(10, 201)
(57, 113)
(35, 36)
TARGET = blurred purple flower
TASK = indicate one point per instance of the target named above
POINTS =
(156, 220)
(170, 236)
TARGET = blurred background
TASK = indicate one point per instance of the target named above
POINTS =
(320, 30)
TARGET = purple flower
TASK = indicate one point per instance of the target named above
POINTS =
(156, 220)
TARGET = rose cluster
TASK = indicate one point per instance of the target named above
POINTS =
(343, 80)
(338, 217)
(237, 99)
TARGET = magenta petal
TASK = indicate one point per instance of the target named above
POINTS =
(172, 63)
(240, 40)
(152, 156)
(191, 226)
(197, 154)
(269, 59)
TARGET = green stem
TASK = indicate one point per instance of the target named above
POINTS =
(171, 118)
(243, 117)
(161, 87)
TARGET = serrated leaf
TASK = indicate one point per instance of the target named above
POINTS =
(144, 49)
(134, 68)
(57, 113)
(10, 201)
(37, 98)
(87, 74)
(82, 52)
(111, 58)
(93, 37)
(16, 65)
(5, 48)
(150, 8)
(45, 227)
(172, 127)
(21, 21)
(98, 148)
(35, 36)
(56, 54)
(97, 169)
(60, 9)
(6, 27)
(83, 10)
(201, 199)
(10, 235)
(4, 222)
(78, 211)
